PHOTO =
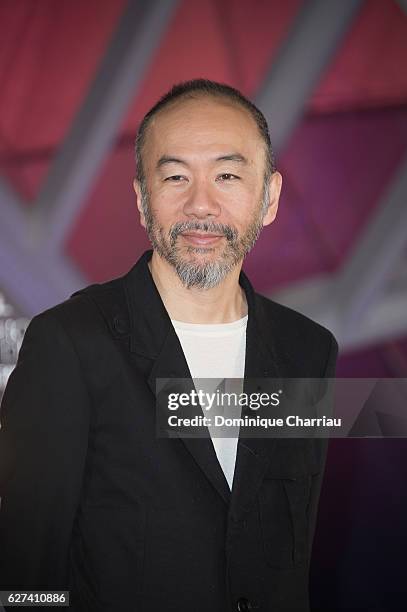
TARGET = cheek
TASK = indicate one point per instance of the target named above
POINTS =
(165, 210)
(168, 197)
(241, 210)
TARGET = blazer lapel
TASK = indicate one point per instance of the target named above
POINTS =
(253, 454)
(171, 363)
(153, 336)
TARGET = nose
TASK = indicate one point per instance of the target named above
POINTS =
(201, 202)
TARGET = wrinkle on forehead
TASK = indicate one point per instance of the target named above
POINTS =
(204, 127)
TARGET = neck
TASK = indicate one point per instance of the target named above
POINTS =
(222, 304)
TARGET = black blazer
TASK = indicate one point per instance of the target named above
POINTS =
(94, 502)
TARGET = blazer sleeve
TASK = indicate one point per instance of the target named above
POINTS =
(322, 449)
(44, 417)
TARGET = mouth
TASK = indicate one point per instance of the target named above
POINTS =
(201, 239)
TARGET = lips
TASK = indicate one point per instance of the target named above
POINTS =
(201, 239)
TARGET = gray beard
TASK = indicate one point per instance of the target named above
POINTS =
(202, 275)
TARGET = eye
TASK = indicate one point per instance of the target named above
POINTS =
(227, 176)
(176, 178)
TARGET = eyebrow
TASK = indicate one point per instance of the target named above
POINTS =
(237, 157)
(166, 159)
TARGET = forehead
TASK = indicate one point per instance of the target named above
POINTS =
(203, 125)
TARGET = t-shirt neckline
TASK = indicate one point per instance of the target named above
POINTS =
(210, 327)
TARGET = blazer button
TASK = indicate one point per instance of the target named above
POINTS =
(243, 605)
(120, 325)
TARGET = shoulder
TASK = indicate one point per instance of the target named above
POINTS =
(305, 343)
(294, 324)
(87, 311)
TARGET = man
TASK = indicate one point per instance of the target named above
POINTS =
(96, 502)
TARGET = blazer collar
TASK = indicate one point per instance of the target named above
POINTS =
(149, 320)
(150, 323)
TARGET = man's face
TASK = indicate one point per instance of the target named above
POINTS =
(205, 199)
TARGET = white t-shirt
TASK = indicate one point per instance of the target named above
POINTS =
(216, 351)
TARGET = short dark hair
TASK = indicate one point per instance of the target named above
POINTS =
(206, 87)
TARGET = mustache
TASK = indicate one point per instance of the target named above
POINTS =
(202, 226)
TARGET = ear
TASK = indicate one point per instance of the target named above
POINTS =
(275, 183)
(137, 189)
